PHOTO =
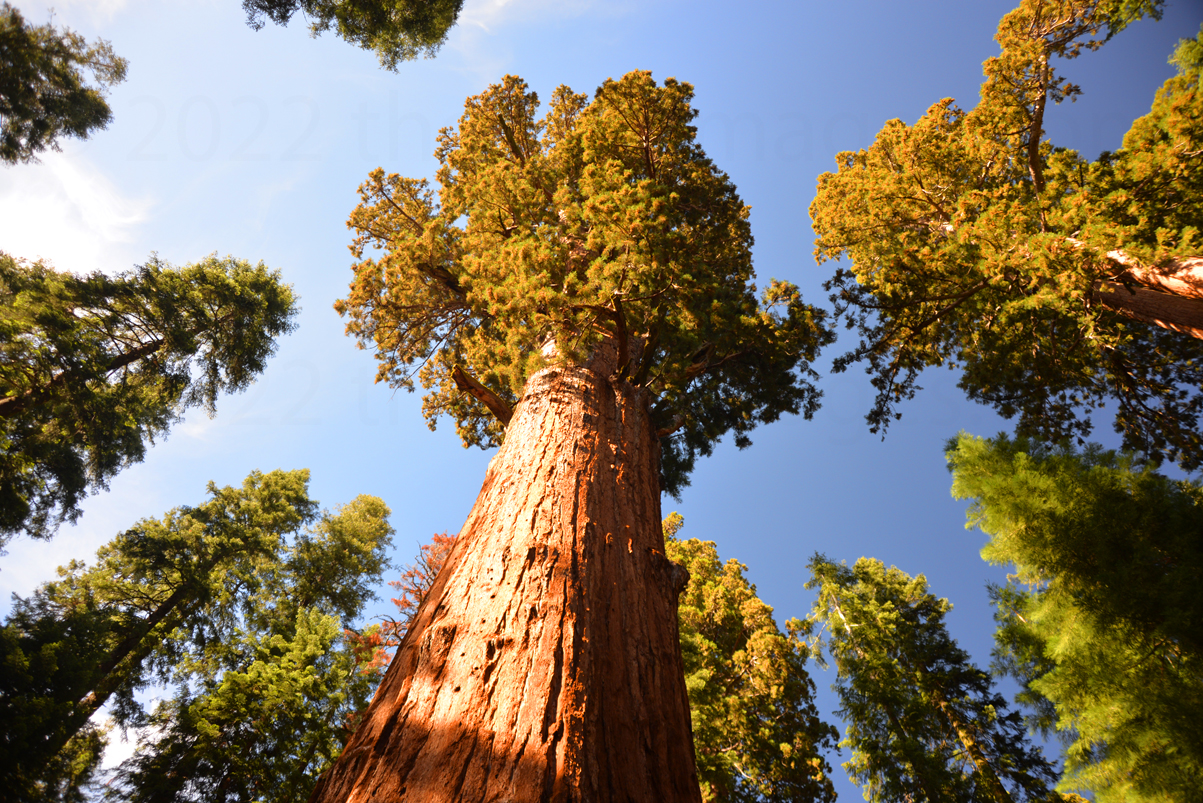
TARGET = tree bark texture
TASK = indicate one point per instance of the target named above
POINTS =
(1177, 313)
(544, 664)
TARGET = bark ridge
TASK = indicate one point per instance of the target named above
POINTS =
(544, 665)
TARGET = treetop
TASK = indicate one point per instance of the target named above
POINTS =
(601, 221)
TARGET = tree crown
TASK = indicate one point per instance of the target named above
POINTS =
(602, 222)
(976, 243)
(43, 94)
(396, 30)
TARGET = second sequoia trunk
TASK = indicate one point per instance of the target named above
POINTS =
(544, 665)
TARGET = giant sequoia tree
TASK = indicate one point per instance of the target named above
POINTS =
(1055, 283)
(580, 293)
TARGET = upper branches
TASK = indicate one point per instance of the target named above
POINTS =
(601, 220)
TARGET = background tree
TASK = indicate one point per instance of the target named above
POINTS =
(396, 30)
(43, 91)
(596, 266)
(756, 732)
(94, 367)
(922, 721)
(1102, 623)
(238, 604)
(1057, 284)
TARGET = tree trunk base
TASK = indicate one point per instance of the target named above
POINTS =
(544, 664)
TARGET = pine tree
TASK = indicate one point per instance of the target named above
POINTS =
(1102, 623)
(923, 722)
(238, 605)
(43, 92)
(581, 290)
(94, 367)
(1056, 284)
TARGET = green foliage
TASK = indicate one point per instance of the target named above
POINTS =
(397, 30)
(923, 723)
(1102, 623)
(756, 733)
(975, 243)
(43, 94)
(239, 605)
(601, 223)
(1188, 56)
(94, 367)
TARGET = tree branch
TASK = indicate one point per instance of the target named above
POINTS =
(467, 383)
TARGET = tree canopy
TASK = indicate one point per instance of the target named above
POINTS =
(238, 607)
(922, 721)
(600, 221)
(94, 367)
(44, 94)
(756, 732)
(396, 30)
(1055, 283)
(1102, 623)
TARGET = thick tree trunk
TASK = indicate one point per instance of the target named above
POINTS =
(544, 664)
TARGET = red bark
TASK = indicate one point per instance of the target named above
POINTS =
(544, 665)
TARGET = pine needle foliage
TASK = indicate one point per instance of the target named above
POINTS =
(602, 221)
(395, 30)
(975, 243)
(44, 94)
(92, 368)
(923, 723)
(757, 735)
(1102, 623)
(238, 607)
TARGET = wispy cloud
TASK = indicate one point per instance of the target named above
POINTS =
(75, 14)
(69, 213)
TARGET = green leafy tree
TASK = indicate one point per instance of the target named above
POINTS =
(923, 722)
(1056, 284)
(756, 732)
(396, 30)
(94, 367)
(600, 222)
(43, 91)
(1102, 623)
(239, 606)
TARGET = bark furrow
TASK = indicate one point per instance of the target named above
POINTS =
(544, 664)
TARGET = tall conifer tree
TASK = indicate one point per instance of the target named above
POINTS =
(238, 606)
(92, 368)
(1103, 621)
(923, 722)
(579, 291)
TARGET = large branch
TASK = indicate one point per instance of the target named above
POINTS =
(1167, 310)
(13, 405)
(470, 385)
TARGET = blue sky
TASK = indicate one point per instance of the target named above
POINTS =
(253, 144)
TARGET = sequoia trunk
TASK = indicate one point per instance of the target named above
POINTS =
(544, 664)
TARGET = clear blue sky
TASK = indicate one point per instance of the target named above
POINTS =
(253, 144)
